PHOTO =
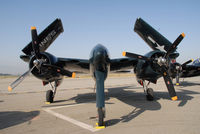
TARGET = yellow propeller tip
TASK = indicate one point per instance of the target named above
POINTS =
(183, 34)
(124, 53)
(33, 28)
(9, 88)
(73, 75)
(174, 98)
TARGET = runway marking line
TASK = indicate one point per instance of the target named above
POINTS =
(71, 120)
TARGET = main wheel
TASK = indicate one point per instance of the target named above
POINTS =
(150, 94)
(101, 117)
(49, 96)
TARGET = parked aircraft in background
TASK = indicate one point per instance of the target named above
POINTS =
(184, 70)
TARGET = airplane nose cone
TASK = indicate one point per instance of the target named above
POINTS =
(99, 56)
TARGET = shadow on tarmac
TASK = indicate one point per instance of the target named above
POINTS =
(135, 99)
(12, 118)
(187, 84)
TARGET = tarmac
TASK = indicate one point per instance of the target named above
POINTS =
(24, 111)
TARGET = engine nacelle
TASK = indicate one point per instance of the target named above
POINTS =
(44, 73)
(157, 59)
(148, 70)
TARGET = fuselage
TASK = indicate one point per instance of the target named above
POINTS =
(99, 60)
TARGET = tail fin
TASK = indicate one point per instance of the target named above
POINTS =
(152, 37)
(46, 37)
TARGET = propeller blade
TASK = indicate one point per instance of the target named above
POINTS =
(19, 80)
(132, 55)
(175, 44)
(35, 43)
(61, 70)
(187, 62)
(169, 84)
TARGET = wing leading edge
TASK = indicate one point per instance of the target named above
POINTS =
(122, 63)
(73, 64)
(83, 65)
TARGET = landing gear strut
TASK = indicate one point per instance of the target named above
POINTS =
(148, 91)
(50, 94)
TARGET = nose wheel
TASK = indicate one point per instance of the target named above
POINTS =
(49, 96)
(101, 116)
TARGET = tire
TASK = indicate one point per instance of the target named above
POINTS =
(101, 117)
(49, 96)
(150, 94)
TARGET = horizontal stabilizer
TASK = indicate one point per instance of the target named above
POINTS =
(152, 37)
(46, 37)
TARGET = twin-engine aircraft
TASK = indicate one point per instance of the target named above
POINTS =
(51, 69)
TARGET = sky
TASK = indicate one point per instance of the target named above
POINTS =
(90, 22)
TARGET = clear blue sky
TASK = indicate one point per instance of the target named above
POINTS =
(89, 22)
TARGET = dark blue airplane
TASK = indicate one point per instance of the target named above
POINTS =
(161, 61)
(150, 67)
(50, 68)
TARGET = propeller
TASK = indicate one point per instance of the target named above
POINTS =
(163, 63)
(36, 62)
(168, 83)
(179, 69)
(35, 43)
(174, 45)
(39, 62)
(19, 80)
(187, 62)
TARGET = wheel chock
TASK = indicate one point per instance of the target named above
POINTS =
(177, 84)
(47, 102)
(100, 127)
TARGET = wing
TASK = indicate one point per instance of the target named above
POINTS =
(46, 37)
(152, 37)
(190, 71)
(122, 63)
(83, 65)
(75, 65)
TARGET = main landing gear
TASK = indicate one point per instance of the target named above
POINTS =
(50, 94)
(148, 91)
